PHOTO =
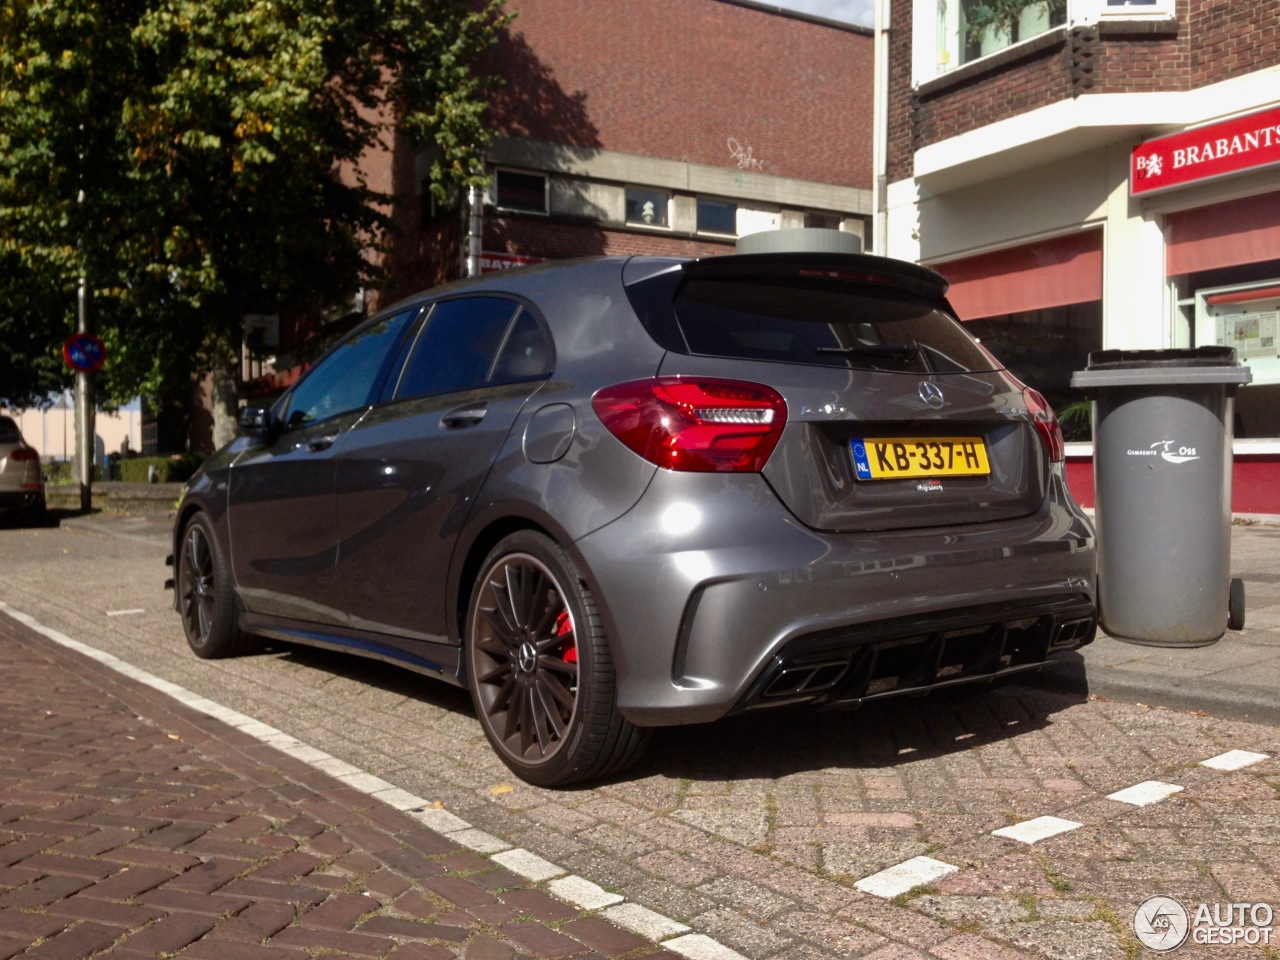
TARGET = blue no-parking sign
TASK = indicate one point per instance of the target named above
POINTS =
(84, 352)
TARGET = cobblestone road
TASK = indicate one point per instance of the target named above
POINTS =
(769, 833)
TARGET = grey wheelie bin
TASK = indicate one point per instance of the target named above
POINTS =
(1162, 431)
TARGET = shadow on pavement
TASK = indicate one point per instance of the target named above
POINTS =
(888, 734)
(773, 743)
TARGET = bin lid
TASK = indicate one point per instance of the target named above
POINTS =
(1130, 368)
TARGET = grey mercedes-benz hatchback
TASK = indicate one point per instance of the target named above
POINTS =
(612, 494)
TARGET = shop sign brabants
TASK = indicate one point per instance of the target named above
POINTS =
(1242, 144)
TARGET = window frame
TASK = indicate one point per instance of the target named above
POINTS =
(665, 223)
(698, 228)
(498, 173)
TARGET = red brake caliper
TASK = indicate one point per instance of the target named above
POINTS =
(564, 627)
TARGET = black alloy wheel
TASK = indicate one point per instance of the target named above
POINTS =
(206, 600)
(539, 668)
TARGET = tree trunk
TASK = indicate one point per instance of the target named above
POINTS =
(225, 399)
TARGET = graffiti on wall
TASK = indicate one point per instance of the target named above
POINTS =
(744, 157)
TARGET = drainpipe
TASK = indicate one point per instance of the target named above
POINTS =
(880, 129)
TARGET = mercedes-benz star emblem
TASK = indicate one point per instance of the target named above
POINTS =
(931, 394)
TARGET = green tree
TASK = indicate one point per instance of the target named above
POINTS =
(198, 161)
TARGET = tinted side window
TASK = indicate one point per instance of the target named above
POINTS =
(526, 354)
(345, 379)
(457, 345)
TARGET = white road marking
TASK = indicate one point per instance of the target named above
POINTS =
(1033, 831)
(905, 876)
(1234, 760)
(1147, 792)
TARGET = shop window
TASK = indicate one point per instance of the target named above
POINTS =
(1042, 348)
(648, 207)
(526, 192)
(717, 216)
(1239, 307)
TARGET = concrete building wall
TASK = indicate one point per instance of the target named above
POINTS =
(53, 431)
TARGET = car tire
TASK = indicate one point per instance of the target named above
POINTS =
(539, 668)
(206, 600)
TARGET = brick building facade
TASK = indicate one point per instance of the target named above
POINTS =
(724, 117)
(1011, 166)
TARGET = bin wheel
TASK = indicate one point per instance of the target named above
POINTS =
(1235, 605)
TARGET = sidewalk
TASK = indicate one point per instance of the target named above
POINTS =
(132, 824)
(1237, 677)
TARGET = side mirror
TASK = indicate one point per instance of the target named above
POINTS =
(258, 423)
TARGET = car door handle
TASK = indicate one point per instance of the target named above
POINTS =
(466, 416)
(318, 444)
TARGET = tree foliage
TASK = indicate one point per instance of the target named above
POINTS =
(198, 160)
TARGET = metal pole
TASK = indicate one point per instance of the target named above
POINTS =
(84, 409)
(475, 229)
(84, 399)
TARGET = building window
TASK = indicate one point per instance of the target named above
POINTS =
(822, 221)
(968, 29)
(648, 207)
(718, 216)
(520, 191)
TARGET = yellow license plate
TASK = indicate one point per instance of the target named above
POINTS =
(894, 458)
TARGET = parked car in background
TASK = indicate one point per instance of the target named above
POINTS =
(21, 483)
(613, 494)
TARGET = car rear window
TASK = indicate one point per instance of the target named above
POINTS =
(824, 323)
(9, 431)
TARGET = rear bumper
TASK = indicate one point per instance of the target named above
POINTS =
(26, 499)
(717, 600)
(852, 666)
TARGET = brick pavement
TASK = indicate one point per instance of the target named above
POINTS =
(132, 826)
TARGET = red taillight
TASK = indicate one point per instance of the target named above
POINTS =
(695, 424)
(23, 454)
(1046, 422)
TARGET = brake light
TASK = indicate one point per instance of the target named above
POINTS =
(698, 424)
(1046, 422)
(23, 454)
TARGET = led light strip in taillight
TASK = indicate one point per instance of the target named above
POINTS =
(730, 415)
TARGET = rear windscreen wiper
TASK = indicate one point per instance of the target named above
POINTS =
(902, 351)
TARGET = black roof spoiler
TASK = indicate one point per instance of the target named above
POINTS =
(850, 267)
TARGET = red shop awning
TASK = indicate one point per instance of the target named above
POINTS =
(1035, 276)
(1224, 235)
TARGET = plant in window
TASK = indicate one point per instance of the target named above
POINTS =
(1001, 17)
